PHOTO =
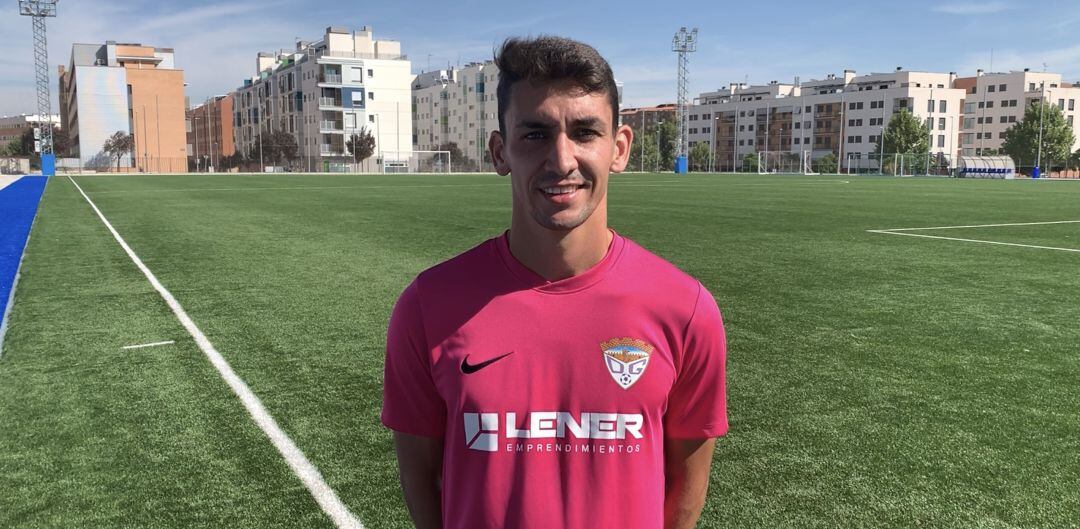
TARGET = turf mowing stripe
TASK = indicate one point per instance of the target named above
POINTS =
(884, 232)
(18, 206)
(982, 226)
(301, 466)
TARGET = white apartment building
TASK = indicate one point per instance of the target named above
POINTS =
(843, 115)
(995, 101)
(459, 106)
(326, 91)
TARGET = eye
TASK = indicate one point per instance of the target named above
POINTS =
(588, 134)
(535, 135)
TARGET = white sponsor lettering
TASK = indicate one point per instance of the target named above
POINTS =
(481, 429)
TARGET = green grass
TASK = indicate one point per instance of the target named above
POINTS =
(875, 380)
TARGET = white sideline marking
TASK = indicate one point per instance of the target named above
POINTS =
(293, 188)
(308, 474)
(155, 344)
(887, 232)
(981, 226)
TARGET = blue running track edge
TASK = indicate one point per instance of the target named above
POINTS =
(18, 205)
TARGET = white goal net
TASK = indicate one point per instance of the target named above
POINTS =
(415, 162)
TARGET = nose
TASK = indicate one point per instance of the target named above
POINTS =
(562, 157)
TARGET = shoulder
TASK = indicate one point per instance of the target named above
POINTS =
(463, 266)
(658, 278)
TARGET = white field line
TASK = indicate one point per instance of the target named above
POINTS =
(18, 270)
(154, 344)
(981, 226)
(304, 469)
(887, 232)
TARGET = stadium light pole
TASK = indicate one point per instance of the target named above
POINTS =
(195, 125)
(39, 10)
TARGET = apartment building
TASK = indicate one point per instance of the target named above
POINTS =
(13, 127)
(458, 106)
(843, 115)
(324, 92)
(995, 101)
(210, 132)
(130, 88)
(646, 118)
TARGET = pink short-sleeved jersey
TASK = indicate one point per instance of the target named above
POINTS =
(554, 399)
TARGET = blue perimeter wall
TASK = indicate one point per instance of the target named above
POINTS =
(18, 205)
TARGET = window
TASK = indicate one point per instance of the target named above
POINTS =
(930, 105)
(989, 104)
(942, 105)
(1031, 87)
(750, 128)
(798, 124)
(1001, 88)
(930, 123)
(371, 118)
(797, 138)
(807, 125)
(941, 140)
(1069, 120)
(371, 95)
(991, 88)
(1001, 135)
(808, 108)
(1012, 119)
(1061, 104)
(370, 72)
(981, 104)
(979, 120)
(941, 123)
(877, 104)
(1072, 104)
(1003, 119)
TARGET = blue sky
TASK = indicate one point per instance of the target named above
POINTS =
(216, 42)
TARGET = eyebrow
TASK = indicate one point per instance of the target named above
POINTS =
(589, 122)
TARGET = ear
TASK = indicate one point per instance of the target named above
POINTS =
(496, 146)
(624, 139)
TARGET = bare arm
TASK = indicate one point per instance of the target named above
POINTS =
(686, 473)
(420, 469)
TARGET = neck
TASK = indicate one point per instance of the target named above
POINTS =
(556, 255)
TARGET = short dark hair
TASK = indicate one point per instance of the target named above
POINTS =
(546, 59)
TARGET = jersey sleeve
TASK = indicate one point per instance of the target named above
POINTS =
(697, 405)
(411, 403)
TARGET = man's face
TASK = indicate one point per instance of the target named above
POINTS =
(559, 148)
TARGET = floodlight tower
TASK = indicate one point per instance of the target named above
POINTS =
(683, 43)
(39, 10)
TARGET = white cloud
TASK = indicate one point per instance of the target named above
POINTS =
(971, 8)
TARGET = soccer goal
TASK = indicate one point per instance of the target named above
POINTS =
(415, 162)
(808, 163)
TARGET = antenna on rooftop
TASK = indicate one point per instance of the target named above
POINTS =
(684, 43)
(39, 10)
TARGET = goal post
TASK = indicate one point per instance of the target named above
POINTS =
(808, 163)
(415, 162)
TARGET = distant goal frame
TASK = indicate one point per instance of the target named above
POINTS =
(414, 162)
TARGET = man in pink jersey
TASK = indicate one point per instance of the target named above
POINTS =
(559, 375)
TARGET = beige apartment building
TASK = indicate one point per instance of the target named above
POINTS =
(210, 133)
(129, 88)
(995, 101)
(324, 92)
(646, 118)
(13, 127)
(843, 115)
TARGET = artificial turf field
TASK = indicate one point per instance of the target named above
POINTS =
(875, 380)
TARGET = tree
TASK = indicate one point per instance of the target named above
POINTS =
(1022, 138)
(119, 144)
(668, 134)
(458, 160)
(279, 147)
(699, 157)
(750, 162)
(905, 134)
(649, 160)
(827, 164)
(361, 145)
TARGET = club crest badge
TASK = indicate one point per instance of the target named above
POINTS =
(626, 359)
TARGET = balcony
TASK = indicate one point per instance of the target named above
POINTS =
(332, 126)
(331, 150)
(330, 78)
(329, 102)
